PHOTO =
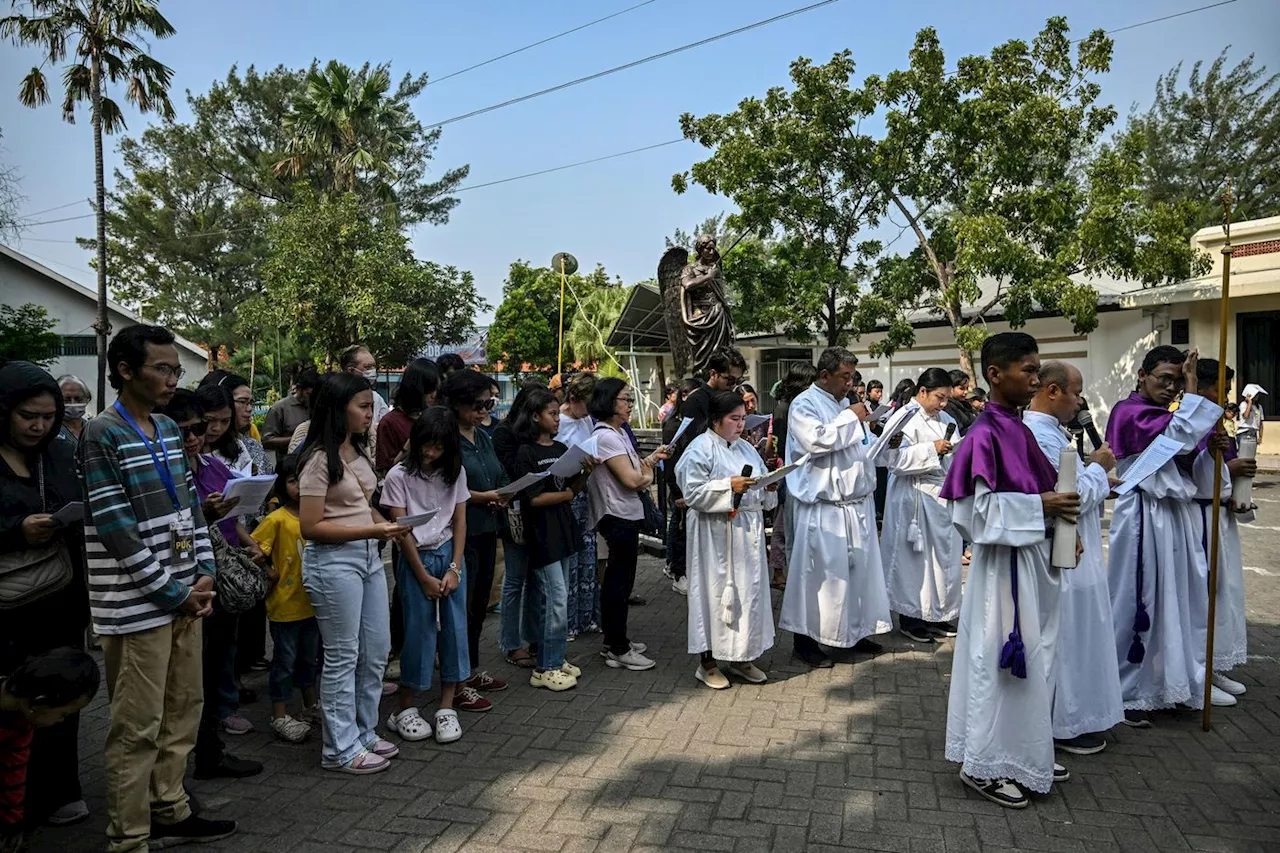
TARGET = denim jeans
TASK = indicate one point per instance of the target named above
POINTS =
(295, 658)
(518, 603)
(548, 591)
(421, 637)
(348, 589)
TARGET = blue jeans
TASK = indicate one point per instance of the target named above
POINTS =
(348, 589)
(547, 589)
(518, 604)
(421, 637)
(295, 659)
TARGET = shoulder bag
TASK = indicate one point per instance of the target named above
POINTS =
(33, 573)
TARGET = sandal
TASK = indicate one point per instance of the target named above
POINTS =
(521, 658)
(409, 724)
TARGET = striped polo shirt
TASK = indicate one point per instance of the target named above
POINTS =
(135, 583)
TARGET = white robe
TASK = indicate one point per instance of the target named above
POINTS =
(1085, 679)
(999, 726)
(1175, 574)
(835, 583)
(1230, 636)
(924, 583)
(721, 550)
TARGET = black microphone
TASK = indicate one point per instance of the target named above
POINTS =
(737, 496)
(951, 430)
(1085, 419)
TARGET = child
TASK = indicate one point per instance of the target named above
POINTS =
(43, 691)
(295, 635)
(551, 535)
(999, 723)
(429, 579)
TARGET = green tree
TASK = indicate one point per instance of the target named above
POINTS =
(10, 199)
(596, 304)
(350, 132)
(102, 39)
(334, 276)
(798, 168)
(25, 335)
(1225, 124)
(992, 167)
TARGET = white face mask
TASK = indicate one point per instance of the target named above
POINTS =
(75, 411)
(371, 374)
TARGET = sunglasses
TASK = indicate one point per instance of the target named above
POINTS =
(196, 429)
(484, 405)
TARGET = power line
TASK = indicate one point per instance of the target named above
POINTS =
(634, 64)
(52, 209)
(538, 43)
(54, 221)
(1169, 17)
(568, 166)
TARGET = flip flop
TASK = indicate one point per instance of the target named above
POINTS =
(525, 662)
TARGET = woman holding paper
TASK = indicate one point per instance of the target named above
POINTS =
(31, 414)
(730, 614)
(921, 547)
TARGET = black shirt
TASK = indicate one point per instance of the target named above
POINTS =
(550, 534)
(963, 413)
(698, 407)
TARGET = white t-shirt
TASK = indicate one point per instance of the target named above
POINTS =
(607, 495)
(416, 495)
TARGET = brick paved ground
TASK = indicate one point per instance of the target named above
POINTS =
(849, 758)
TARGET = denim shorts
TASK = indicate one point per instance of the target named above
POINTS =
(422, 640)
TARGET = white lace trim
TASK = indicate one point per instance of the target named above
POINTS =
(1223, 661)
(1034, 779)
(917, 612)
(1168, 700)
(1087, 726)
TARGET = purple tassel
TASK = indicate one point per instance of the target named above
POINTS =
(1013, 656)
(1141, 620)
(1137, 651)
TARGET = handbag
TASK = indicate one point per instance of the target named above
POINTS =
(241, 583)
(515, 523)
(653, 519)
(33, 573)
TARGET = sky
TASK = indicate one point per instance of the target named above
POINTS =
(616, 212)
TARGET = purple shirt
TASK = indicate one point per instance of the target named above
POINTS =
(212, 476)
(1001, 450)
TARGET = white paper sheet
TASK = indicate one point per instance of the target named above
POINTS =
(881, 412)
(684, 425)
(755, 422)
(570, 464)
(892, 428)
(252, 492)
(1150, 461)
(72, 513)
(777, 476)
(523, 483)
(418, 520)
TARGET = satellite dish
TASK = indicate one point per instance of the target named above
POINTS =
(563, 262)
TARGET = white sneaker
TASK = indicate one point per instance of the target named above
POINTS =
(681, 585)
(409, 725)
(632, 660)
(714, 678)
(70, 813)
(638, 648)
(1221, 698)
(448, 729)
(1228, 685)
(290, 730)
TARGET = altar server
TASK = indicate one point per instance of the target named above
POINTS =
(835, 593)
(999, 711)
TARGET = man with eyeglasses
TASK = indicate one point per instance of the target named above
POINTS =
(151, 572)
(725, 370)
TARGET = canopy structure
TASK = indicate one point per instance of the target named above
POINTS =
(641, 324)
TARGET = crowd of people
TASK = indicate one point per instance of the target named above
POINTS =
(122, 529)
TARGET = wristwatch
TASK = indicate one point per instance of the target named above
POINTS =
(453, 567)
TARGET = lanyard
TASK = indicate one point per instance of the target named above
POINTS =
(162, 469)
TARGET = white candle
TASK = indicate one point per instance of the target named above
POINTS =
(1242, 487)
(1064, 532)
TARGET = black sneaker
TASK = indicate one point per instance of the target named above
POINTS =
(913, 630)
(1085, 744)
(1002, 792)
(815, 657)
(868, 646)
(260, 665)
(1060, 773)
(230, 767)
(193, 830)
(1137, 719)
(943, 629)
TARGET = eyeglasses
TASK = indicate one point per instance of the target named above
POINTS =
(167, 370)
(627, 401)
(196, 429)
(247, 401)
(484, 405)
(1168, 381)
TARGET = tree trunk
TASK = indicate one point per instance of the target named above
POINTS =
(833, 333)
(966, 364)
(253, 363)
(103, 324)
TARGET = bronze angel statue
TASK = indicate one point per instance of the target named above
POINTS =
(693, 299)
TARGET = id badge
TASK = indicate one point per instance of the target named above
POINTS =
(182, 534)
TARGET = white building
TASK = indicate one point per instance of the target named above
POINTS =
(1131, 321)
(74, 308)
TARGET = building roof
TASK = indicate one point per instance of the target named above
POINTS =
(641, 323)
(86, 293)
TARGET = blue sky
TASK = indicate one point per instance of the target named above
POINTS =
(616, 212)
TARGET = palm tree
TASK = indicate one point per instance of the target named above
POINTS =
(346, 131)
(101, 39)
(596, 308)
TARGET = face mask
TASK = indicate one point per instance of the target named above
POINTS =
(370, 375)
(75, 411)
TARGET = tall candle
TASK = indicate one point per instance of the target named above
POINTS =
(1064, 532)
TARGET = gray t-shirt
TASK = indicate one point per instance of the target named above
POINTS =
(607, 495)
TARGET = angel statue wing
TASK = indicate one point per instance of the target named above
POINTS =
(670, 269)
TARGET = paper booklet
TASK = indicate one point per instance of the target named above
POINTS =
(523, 483)
(72, 513)
(755, 422)
(252, 492)
(1150, 461)
(418, 520)
(895, 425)
(569, 465)
(777, 476)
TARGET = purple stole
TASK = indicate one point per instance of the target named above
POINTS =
(1002, 451)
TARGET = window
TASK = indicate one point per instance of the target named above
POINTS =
(1256, 334)
(79, 345)
(1181, 332)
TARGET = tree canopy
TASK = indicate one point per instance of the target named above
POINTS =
(26, 334)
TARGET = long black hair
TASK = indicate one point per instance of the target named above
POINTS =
(212, 398)
(604, 399)
(437, 425)
(19, 382)
(421, 379)
(55, 678)
(328, 429)
(687, 387)
(798, 378)
(521, 396)
(524, 422)
(287, 470)
(463, 388)
(903, 392)
(932, 379)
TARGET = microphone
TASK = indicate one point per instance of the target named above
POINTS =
(737, 496)
(951, 430)
(1085, 419)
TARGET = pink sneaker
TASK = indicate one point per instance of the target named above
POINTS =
(385, 748)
